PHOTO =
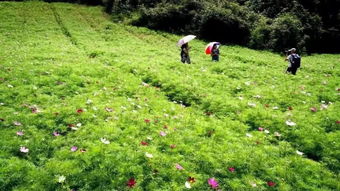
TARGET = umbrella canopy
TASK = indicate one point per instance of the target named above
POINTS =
(209, 47)
(185, 39)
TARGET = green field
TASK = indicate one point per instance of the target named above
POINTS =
(108, 106)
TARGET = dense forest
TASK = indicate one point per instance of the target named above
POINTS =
(310, 25)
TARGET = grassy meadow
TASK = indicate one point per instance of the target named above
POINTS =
(89, 104)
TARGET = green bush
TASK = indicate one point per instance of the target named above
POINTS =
(281, 33)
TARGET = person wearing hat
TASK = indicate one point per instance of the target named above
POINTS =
(294, 61)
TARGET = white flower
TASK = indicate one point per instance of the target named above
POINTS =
(266, 131)
(10, 86)
(299, 153)
(323, 106)
(88, 102)
(253, 185)
(2, 104)
(249, 135)
(247, 83)
(95, 108)
(275, 108)
(240, 98)
(78, 124)
(257, 96)
(148, 155)
(61, 179)
(251, 104)
(24, 149)
(290, 123)
(276, 134)
(17, 123)
(149, 138)
(145, 84)
(187, 185)
(105, 141)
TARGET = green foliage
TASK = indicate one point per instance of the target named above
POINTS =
(225, 23)
(125, 85)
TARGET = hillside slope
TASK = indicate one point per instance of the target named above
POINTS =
(106, 106)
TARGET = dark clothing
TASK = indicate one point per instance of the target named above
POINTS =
(292, 66)
(215, 53)
(292, 70)
(185, 58)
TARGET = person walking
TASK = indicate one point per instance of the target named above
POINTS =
(215, 53)
(294, 61)
(185, 58)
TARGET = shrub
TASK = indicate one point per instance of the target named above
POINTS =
(284, 32)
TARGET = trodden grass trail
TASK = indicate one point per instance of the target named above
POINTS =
(88, 104)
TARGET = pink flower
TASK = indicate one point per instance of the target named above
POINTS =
(144, 143)
(260, 129)
(213, 183)
(108, 109)
(80, 111)
(24, 149)
(34, 109)
(313, 109)
(56, 134)
(271, 184)
(231, 169)
(162, 133)
(147, 120)
(131, 183)
(337, 122)
(20, 133)
(74, 149)
(179, 167)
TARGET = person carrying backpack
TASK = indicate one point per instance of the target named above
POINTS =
(294, 61)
